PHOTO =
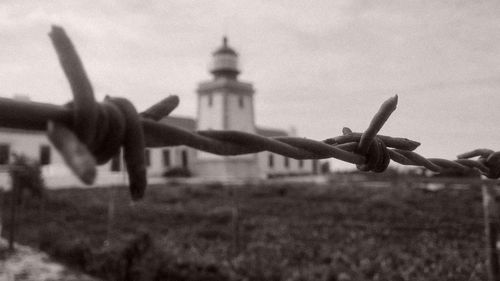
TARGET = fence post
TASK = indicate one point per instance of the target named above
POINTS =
(235, 217)
(14, 198)
(491, 223)
(42, 217)
(3, 212)
(111, 215)
(236, 230)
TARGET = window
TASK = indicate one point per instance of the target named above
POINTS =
(166, 157)
(4, 153)
(270, 161)
(45, 156)
(301, 163)
(147, 157)
(241, 101)
(315, 166)
(116, 163)
(184, 157)
(210, 100)
(286, 162)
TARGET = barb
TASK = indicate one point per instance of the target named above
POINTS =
(84, 130)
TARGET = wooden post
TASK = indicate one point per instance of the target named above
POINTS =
(42, 223)
(14, 197)
(236, 230)
(491, 225)
(3, 212)
(235, 217)
(111, 215)
(113, 193)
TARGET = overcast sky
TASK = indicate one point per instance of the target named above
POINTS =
(316, 65)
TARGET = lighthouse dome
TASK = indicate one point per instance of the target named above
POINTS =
(224, 61)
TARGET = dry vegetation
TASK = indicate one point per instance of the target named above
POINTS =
(286, 232)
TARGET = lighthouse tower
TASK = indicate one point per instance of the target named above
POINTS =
(225, 103)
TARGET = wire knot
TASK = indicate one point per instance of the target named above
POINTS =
(492, 161)
(488, 161)
(370, 145)
(377, 157)
(102, 129)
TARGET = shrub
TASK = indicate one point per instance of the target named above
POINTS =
(133, 258)
(75, 251)
(215, 186)
(177, 172)
(26, 174)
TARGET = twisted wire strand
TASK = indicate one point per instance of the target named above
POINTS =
(88, 133)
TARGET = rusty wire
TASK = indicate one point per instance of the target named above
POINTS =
(88, 133)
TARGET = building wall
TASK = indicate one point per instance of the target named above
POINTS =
(240, 117)
(29, 144)
(210, 114)
(178, 157)
(230, 168)
(231, 108)
(240, 113)
(56, 173)
(25, 142)
(279, 165)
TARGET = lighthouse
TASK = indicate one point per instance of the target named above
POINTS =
(226, 103)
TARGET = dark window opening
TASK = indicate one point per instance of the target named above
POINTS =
(116, 164)
(241, 102)
(45, 157)
(147, 157)
(184, 157)
(4, 154)
(301, 163)
(210, 100)
(287, 162)
(271, 161)
(166, 158)
(315, 166)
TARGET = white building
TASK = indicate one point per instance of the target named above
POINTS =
(224, 103)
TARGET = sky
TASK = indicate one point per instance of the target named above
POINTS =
(316, 65)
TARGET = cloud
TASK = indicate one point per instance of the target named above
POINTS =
(319, 66)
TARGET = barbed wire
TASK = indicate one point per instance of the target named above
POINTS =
(87, 133)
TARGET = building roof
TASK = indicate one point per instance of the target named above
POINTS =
(225, 49)
(225, 62)
(185, 123)
(269, 132)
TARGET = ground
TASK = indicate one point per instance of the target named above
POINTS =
(341, 230)
(27, 264)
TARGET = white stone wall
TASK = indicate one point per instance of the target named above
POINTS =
(27, 143)
(210, 117)
(279, 167)
(240, 118)
(158, 165)
(57, 174)
(231, 168)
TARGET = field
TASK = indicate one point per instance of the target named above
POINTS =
(338, 231)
